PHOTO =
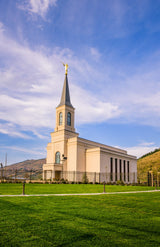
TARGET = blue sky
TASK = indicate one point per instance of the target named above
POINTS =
(113, 51)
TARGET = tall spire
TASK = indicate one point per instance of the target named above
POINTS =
(65, 98)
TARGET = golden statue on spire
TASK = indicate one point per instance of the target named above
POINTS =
(66, 68)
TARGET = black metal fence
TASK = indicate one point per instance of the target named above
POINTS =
(150, 178)
(19, 175)
(90, 177)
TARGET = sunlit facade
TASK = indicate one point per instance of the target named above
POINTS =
(70, 157)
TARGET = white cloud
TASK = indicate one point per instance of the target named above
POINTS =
(95, 53)
(34, 151)
(136, 90)
(1, 27)
(31, 84)
(92, 109)
(147, 144)
(141, 149)
(121, 17)
(27, 111)
(10, 129)
(38, 7)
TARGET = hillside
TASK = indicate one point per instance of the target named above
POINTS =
(149, 162)
(29, 165)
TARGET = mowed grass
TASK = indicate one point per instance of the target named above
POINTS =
(16, 189)
(103, 220)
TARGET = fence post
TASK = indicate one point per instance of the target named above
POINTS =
(152, 179)
(74, 176)
(1, 172)
(30, 175)
(155, 184)
(148, 178)
(24, 187)
(104, 189)
(94, 179)
(158, 178)
(16, 175)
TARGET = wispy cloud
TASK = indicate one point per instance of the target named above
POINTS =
(95, 53)
(31, 84)
(111, 18)
(1, 27)
(38, 7)
(91, 108)
(34, 151)
(141, 149)
(10, 129)
(123, 17)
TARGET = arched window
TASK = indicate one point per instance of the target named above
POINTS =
(60, 118)
(69, 119)
(57, 158)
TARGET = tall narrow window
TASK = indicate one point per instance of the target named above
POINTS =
(124, 169)
(111, 169)
(60, 118)
(128, 169)
(120, 169)
(115, 169)
(57, 158)
(69, 119)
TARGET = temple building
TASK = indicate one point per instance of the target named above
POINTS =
(75, 159)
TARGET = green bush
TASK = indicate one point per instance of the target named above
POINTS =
(85, 179)
(120, 182)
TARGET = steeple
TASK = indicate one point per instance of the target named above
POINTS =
(65, 110)
(65, 98)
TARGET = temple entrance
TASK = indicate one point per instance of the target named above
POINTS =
(57, 175)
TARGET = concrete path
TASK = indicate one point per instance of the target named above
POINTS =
(85, 194)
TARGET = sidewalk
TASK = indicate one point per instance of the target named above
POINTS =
(84, 194)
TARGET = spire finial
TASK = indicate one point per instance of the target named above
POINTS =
(66, 68)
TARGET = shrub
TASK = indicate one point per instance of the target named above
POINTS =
(120, 182)
(85, 179)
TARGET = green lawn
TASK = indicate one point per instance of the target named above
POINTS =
(104, 220)
(16, 189)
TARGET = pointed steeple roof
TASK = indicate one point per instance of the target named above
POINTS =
(65, 98)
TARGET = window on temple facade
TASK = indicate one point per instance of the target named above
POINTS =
(120, 169)
(111, 169)
(60, 118)
(124, 169)
(115, 169)
(69, 119)
(57, 158)
(128, 169)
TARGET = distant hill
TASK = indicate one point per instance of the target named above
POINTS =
(148, 154)
(149, 162)
(29, 164)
